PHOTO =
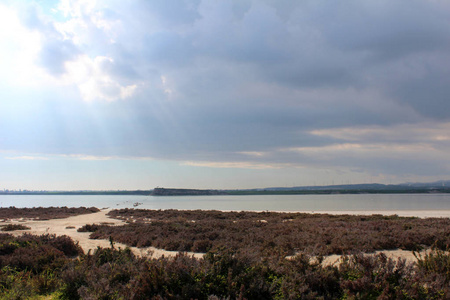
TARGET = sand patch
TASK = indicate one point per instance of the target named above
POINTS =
(69, 226)
(334, 259)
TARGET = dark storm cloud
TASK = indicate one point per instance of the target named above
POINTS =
(386, 29)
(428, 92)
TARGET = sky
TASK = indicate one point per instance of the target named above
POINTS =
(223, 94)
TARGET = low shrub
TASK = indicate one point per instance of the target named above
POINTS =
(33, 266)
(44, 213)
(30, 265)
(12, 227)
(201, 231)
(89, 228)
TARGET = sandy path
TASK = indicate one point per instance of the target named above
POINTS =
(394, 254)
(69, 226)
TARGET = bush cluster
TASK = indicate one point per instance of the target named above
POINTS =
(30, 265)
(201, 231)
(44, 213)
(33, 266)
(12, 227)
(245, 258)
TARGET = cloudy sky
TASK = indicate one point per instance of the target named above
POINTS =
(223, 93)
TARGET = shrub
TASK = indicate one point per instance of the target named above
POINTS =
(12, 227)
(201, 231)
(30, 265)
(88, 228)
(435, 262)
(44, 213)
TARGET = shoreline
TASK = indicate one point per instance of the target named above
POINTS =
(401, 213)
(422, 214)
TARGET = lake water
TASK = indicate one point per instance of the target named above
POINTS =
(316, 203)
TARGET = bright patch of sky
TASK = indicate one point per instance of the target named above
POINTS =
(223, 94)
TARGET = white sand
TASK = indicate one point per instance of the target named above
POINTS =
(59, 227)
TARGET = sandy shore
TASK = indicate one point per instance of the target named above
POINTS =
(69, 226)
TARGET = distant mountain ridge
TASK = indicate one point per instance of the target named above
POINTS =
(442, 186)
(440, 183)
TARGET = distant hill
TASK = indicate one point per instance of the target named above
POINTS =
(441, 186)
(438, 186)
(371, 186)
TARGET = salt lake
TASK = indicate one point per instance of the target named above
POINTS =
(335, 203)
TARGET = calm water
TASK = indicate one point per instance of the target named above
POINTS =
(365, 202)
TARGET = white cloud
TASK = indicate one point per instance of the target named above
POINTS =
(77, 9)
(82, 157)
(234, 165)
(27, 157)
(94, 81)
(167, 88)
(423, 133)
(19, 48)
(253, 153)
(87, 24)
(38, 51)
(89, 157)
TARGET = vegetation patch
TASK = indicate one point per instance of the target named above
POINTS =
(254, 267)
(266, 232)
(12, 227)
(44, 213)
(42, 267)
(89, 228)
(30, 265)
